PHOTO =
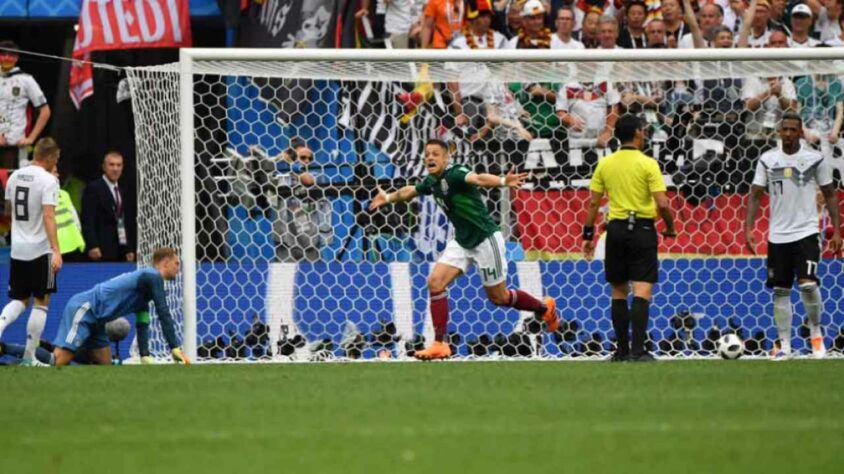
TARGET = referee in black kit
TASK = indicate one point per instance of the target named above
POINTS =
(634, 183)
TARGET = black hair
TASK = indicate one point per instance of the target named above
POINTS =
(9, 44)
(790, 115)
(436, 141)
(626, 127)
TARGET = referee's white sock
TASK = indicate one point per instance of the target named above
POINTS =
(34, 328)
(782, 317)
(10, 313)
(810, 293)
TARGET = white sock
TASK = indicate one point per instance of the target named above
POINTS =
(10, 313)
(783, 316)
(34, 328)
(810, 293)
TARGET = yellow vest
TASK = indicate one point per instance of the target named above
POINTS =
(67, 225)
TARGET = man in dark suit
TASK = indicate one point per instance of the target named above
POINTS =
(106, 225)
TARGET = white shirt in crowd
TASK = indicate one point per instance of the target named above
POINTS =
(792, 181)
(399, 15)
(474, 88)
(809, 43)
(767, 116)
(557, 43)
(760, 41)
(828, 28)
(17, 91)
(687, 41)
(28, 189)
(589, 102)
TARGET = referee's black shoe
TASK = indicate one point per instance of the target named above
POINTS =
(642, 357)
(619, 356)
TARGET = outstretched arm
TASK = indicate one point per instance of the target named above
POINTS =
(404, 194)
(753, 204)
(168, 326)
(486, 180)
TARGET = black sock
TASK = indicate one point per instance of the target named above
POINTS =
(621, 325)
(639, 316)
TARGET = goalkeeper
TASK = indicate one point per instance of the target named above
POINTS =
(84, 317)
(477, 240)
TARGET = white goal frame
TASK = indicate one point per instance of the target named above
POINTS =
(189, 58)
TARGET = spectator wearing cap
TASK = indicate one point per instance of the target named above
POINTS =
(633, 35)
(441, 19)
(18, 90)
(801, 25)
(532, 34)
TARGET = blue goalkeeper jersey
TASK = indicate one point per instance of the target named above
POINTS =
(130, 293)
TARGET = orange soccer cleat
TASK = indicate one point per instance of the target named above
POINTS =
(552, 320)
(438, 350)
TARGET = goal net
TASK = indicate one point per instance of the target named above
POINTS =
(259, 165)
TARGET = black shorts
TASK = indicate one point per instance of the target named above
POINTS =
(31, 278)
(799, 258)
(631, 254)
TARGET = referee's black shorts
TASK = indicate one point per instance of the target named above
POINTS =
(31, 278)
(631, 254)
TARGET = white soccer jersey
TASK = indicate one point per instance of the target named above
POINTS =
(590, 103)
(792, 182)
(28, 189)
(17, 90)
(473, 71)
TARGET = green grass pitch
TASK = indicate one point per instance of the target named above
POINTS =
(485, 417)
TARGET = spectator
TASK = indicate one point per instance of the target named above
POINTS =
(441, 19)
(588, 34)
(513, 18)
(777, 17)
(767, 99)
(608, 33)
(801, 24)
(538, 99)
(107, 225)
(17, 90)
(303, 224)
(675, 27)
(467, 96)
(733, 14)
(553, 6)
(711, 16)
(828, 15)
(399, 17)
(532, 34)
(589, 110)
(68, 226)
(755, 32)
(633, 36)
(821, 101)
(655, 34)
(838, 41)
(565, 25)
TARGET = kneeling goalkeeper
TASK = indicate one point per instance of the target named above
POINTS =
(83, 322)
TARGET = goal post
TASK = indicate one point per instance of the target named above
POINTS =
(211, 128)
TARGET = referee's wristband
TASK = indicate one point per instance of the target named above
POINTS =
(588, 232)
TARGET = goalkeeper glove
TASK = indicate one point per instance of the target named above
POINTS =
(147, 360)
(179, 357)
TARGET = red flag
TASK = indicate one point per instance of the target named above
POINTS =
(124, 24)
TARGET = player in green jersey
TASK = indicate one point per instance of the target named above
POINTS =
(477, 240)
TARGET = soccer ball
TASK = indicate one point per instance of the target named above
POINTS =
(730, 346)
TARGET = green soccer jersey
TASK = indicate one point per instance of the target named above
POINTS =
(462, 203)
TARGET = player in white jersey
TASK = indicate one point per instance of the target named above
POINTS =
(791, 175)
(31, 197)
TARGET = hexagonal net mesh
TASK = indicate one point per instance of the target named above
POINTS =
(292, 265)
